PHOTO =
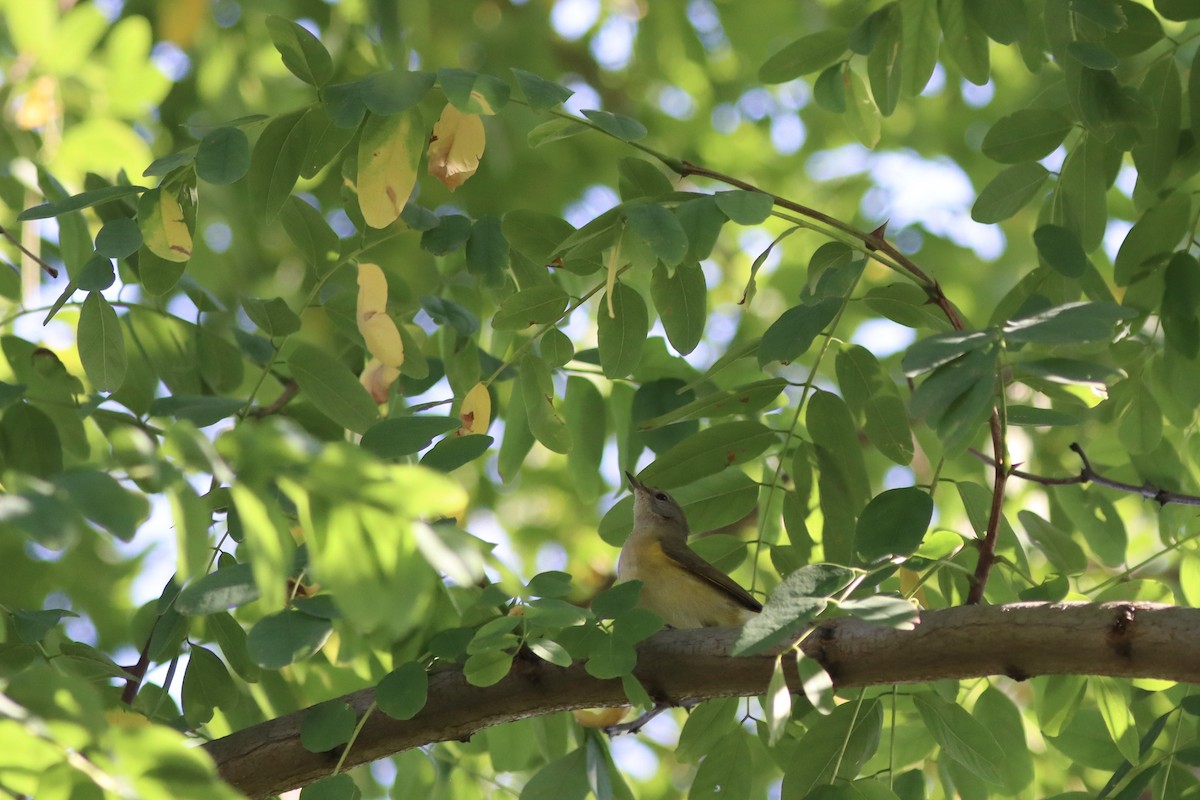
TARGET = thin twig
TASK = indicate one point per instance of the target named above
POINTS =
(290, 390)
(987, 548)
(51, 271)
(1089, 475)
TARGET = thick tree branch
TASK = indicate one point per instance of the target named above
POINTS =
(1021, 641)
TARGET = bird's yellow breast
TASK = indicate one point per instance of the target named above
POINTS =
(682, 599)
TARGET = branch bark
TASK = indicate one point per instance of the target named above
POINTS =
(1020, 641)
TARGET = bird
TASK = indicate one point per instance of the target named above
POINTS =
(677, 584)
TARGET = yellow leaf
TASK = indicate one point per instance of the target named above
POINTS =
(164, 229)
(40, 105)
(383, 340)
(376, 377)
(456, 147)
(388, 155)
(372, 293)
(476, 411)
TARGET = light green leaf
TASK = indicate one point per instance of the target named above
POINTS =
(332, 388)
(101, 344)
(1009, 191)
(622, 334)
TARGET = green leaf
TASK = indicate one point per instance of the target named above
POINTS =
(961, 737)
(286, 637)
(119, 238)
(790, 336)
(639, 178)
(223, 156)
(206, 686)
(745, 208)
(395, 90)
(1060, 248)
(487, 668)
(403, 436)
(326, 726)
(303, 54)
(533, 306)
(335, 787)
(202, 410)
(622, 334)
(727, 771)
(487, 251)
(1114, 699)
(30, 441)
(659, 229)
(681, 300)
(807, 54)
(537, 393)
(1074, 323)
(791, 605)
(920, 35)
(746, 399)
(332, 388)
(1026, 135)
(862, 116)
(272, 316)
(835, 746)
(276, 161)
(228, 587)
(708, 452)
(101, 344)
(893, 523)
(1152, 238)
(1000, 715)
(403, 691)
(1009, 191)
(473, 93)
(76, 202)
(1180, 300)
(535, 234)
(870, 391)
(454, 451)
(891, 612)
(1156, 155)
(627, 129)
(311, 234)
(965, 40)
(706, 725)
(562, 779)
(884, 61)
(32, 626)
(584, 410)
(104, 501)
(539, 92)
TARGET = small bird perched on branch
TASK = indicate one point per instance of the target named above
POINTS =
(677, 584)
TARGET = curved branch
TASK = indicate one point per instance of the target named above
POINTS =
(1022, 640)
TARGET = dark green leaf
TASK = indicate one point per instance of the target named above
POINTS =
(223, 156)
(473, 93)
(961, 737)
(619, 126)
(228, 587)
(275, 164)
(539, 92)
(893, 523)
(101, 344)
(1076, 323)
(790, 336)
(1060, 248)
(1009, 191)
(640, 178)
(286, 637)
(621, 334)
(454, 451)
(327, 726)
(1152, 238)
(272, 316)
(78, 201)
(807, 54)
(332, 388)
(30, 441)
(659, 229)
(403, 691)
(1025, 135)
(745, 208)
(203, 410)
(708, 452)
(533, 306)
(682, 303)
(395, 90)
(119, 238)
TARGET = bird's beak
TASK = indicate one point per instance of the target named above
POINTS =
(634, 483)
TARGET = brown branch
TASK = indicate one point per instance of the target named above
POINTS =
(1089, 475)
(987, 548)
(873, 241)
(290, 390)
(51, 271)
(1020, 641)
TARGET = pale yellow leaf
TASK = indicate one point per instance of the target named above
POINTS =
(372, 292)
(383, 339)
(476, 411)
(456, 147)
(388, 155)
(164, 228)
(376, 377)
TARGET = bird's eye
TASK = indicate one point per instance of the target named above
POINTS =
(662, 496)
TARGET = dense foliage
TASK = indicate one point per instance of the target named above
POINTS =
(331, 328)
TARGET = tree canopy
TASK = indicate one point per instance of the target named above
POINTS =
(328, 330)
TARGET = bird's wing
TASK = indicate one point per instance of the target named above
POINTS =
(687, 558)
